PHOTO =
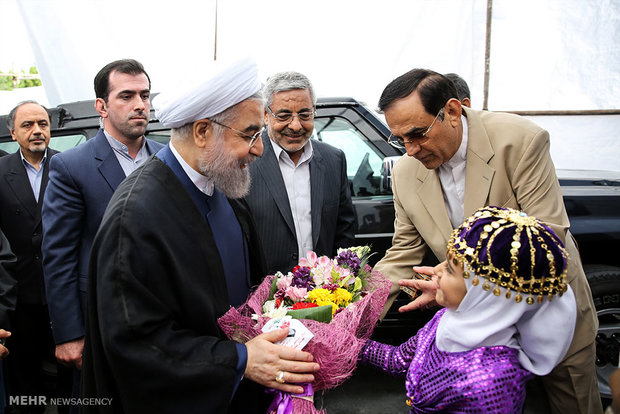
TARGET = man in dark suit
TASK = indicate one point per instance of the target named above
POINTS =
(175, 250)
(300, 195)
(81, 183)
(23, 178)
(7, 304)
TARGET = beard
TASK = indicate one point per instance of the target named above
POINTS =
(224, 170)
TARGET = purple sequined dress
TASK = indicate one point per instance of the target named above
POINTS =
(485, 380)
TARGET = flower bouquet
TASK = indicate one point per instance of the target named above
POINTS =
(339, 300)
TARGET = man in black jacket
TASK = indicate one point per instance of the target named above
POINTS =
(23, 178)
(176, 248)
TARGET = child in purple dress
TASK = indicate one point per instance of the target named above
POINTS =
(509, 315)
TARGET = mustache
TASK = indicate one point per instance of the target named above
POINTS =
(291, 133)
(248, 160)
(138, 115)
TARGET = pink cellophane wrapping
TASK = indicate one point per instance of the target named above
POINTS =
(335, 345)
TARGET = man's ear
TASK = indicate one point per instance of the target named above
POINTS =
(101, 107)
(203, 132)
(13, 135)
(454, 111)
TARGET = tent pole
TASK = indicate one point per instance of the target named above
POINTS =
(487, 56)
(215, 37)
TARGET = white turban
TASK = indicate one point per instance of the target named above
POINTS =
(226, 86)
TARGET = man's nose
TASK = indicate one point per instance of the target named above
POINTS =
(295, 124)
(257, 148)
(37, 129)
(139, 104)
(413, 149)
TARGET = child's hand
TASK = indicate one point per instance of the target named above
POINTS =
(427, 287)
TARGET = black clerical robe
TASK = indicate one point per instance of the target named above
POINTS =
(156, 287)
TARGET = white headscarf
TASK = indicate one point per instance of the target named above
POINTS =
(226, 86)
(542, 332)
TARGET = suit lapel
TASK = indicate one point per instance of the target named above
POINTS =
(317, 171)
(479, 175)
(17, 179)
(270, 171)
(108, 166)
(431, 195)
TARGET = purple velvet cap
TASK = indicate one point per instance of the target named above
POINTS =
(513, 251)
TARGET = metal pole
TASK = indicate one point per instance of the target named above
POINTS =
(215, 41)
(487, 56)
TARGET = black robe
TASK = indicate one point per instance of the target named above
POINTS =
(156, 287)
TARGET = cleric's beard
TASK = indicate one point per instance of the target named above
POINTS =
(224, 170)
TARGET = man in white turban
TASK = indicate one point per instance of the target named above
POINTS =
(177, 247)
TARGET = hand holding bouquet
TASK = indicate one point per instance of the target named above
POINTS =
(339, 300)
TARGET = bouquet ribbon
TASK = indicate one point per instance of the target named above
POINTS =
(283, 401)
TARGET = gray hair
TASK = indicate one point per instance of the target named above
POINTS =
(226, 117)
(287, 81)
(10, 120)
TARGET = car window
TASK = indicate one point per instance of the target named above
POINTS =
(162, 136)
(364, 161)
(59, 143)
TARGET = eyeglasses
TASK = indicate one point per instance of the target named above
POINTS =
(253, 138)
(287, 117)
(419, 138)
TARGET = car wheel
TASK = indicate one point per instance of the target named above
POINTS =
(605, 285)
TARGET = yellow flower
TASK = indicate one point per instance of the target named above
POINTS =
(319, 295)
(342, 297)
(323, 297)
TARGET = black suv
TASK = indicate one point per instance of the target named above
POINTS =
(592, 201)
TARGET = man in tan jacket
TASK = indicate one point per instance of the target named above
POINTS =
(459, 160)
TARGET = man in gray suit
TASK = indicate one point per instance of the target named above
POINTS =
(300, 195)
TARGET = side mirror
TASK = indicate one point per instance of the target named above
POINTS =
(386, 172)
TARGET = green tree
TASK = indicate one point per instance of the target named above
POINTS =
(6, 82)
(9, 82)
(27, 83)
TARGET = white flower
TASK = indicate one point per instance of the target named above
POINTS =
(270, 310)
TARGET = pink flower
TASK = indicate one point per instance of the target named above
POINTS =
(296, 293)
(309, 260)
(284, 282)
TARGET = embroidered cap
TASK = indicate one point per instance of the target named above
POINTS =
(511, 251)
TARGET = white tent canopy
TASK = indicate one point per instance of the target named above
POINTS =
(544, 55)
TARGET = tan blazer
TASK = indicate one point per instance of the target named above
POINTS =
(508, 165)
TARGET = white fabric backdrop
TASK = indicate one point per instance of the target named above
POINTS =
(545, 55)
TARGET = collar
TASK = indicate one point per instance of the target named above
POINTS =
(119, 146)
(24, 160)
(200, 181)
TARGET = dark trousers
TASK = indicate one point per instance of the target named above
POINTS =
(31, 368)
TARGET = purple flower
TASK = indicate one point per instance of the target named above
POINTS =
(302, 278)
(349, 259)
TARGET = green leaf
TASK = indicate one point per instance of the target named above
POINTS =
(274, 288)
(320, 314)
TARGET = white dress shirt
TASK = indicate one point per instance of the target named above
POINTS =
(452, 177)
(297, 182)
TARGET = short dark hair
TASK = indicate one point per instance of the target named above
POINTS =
(434, 89)
(461, 86)
(128, 66)
(10, 119)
